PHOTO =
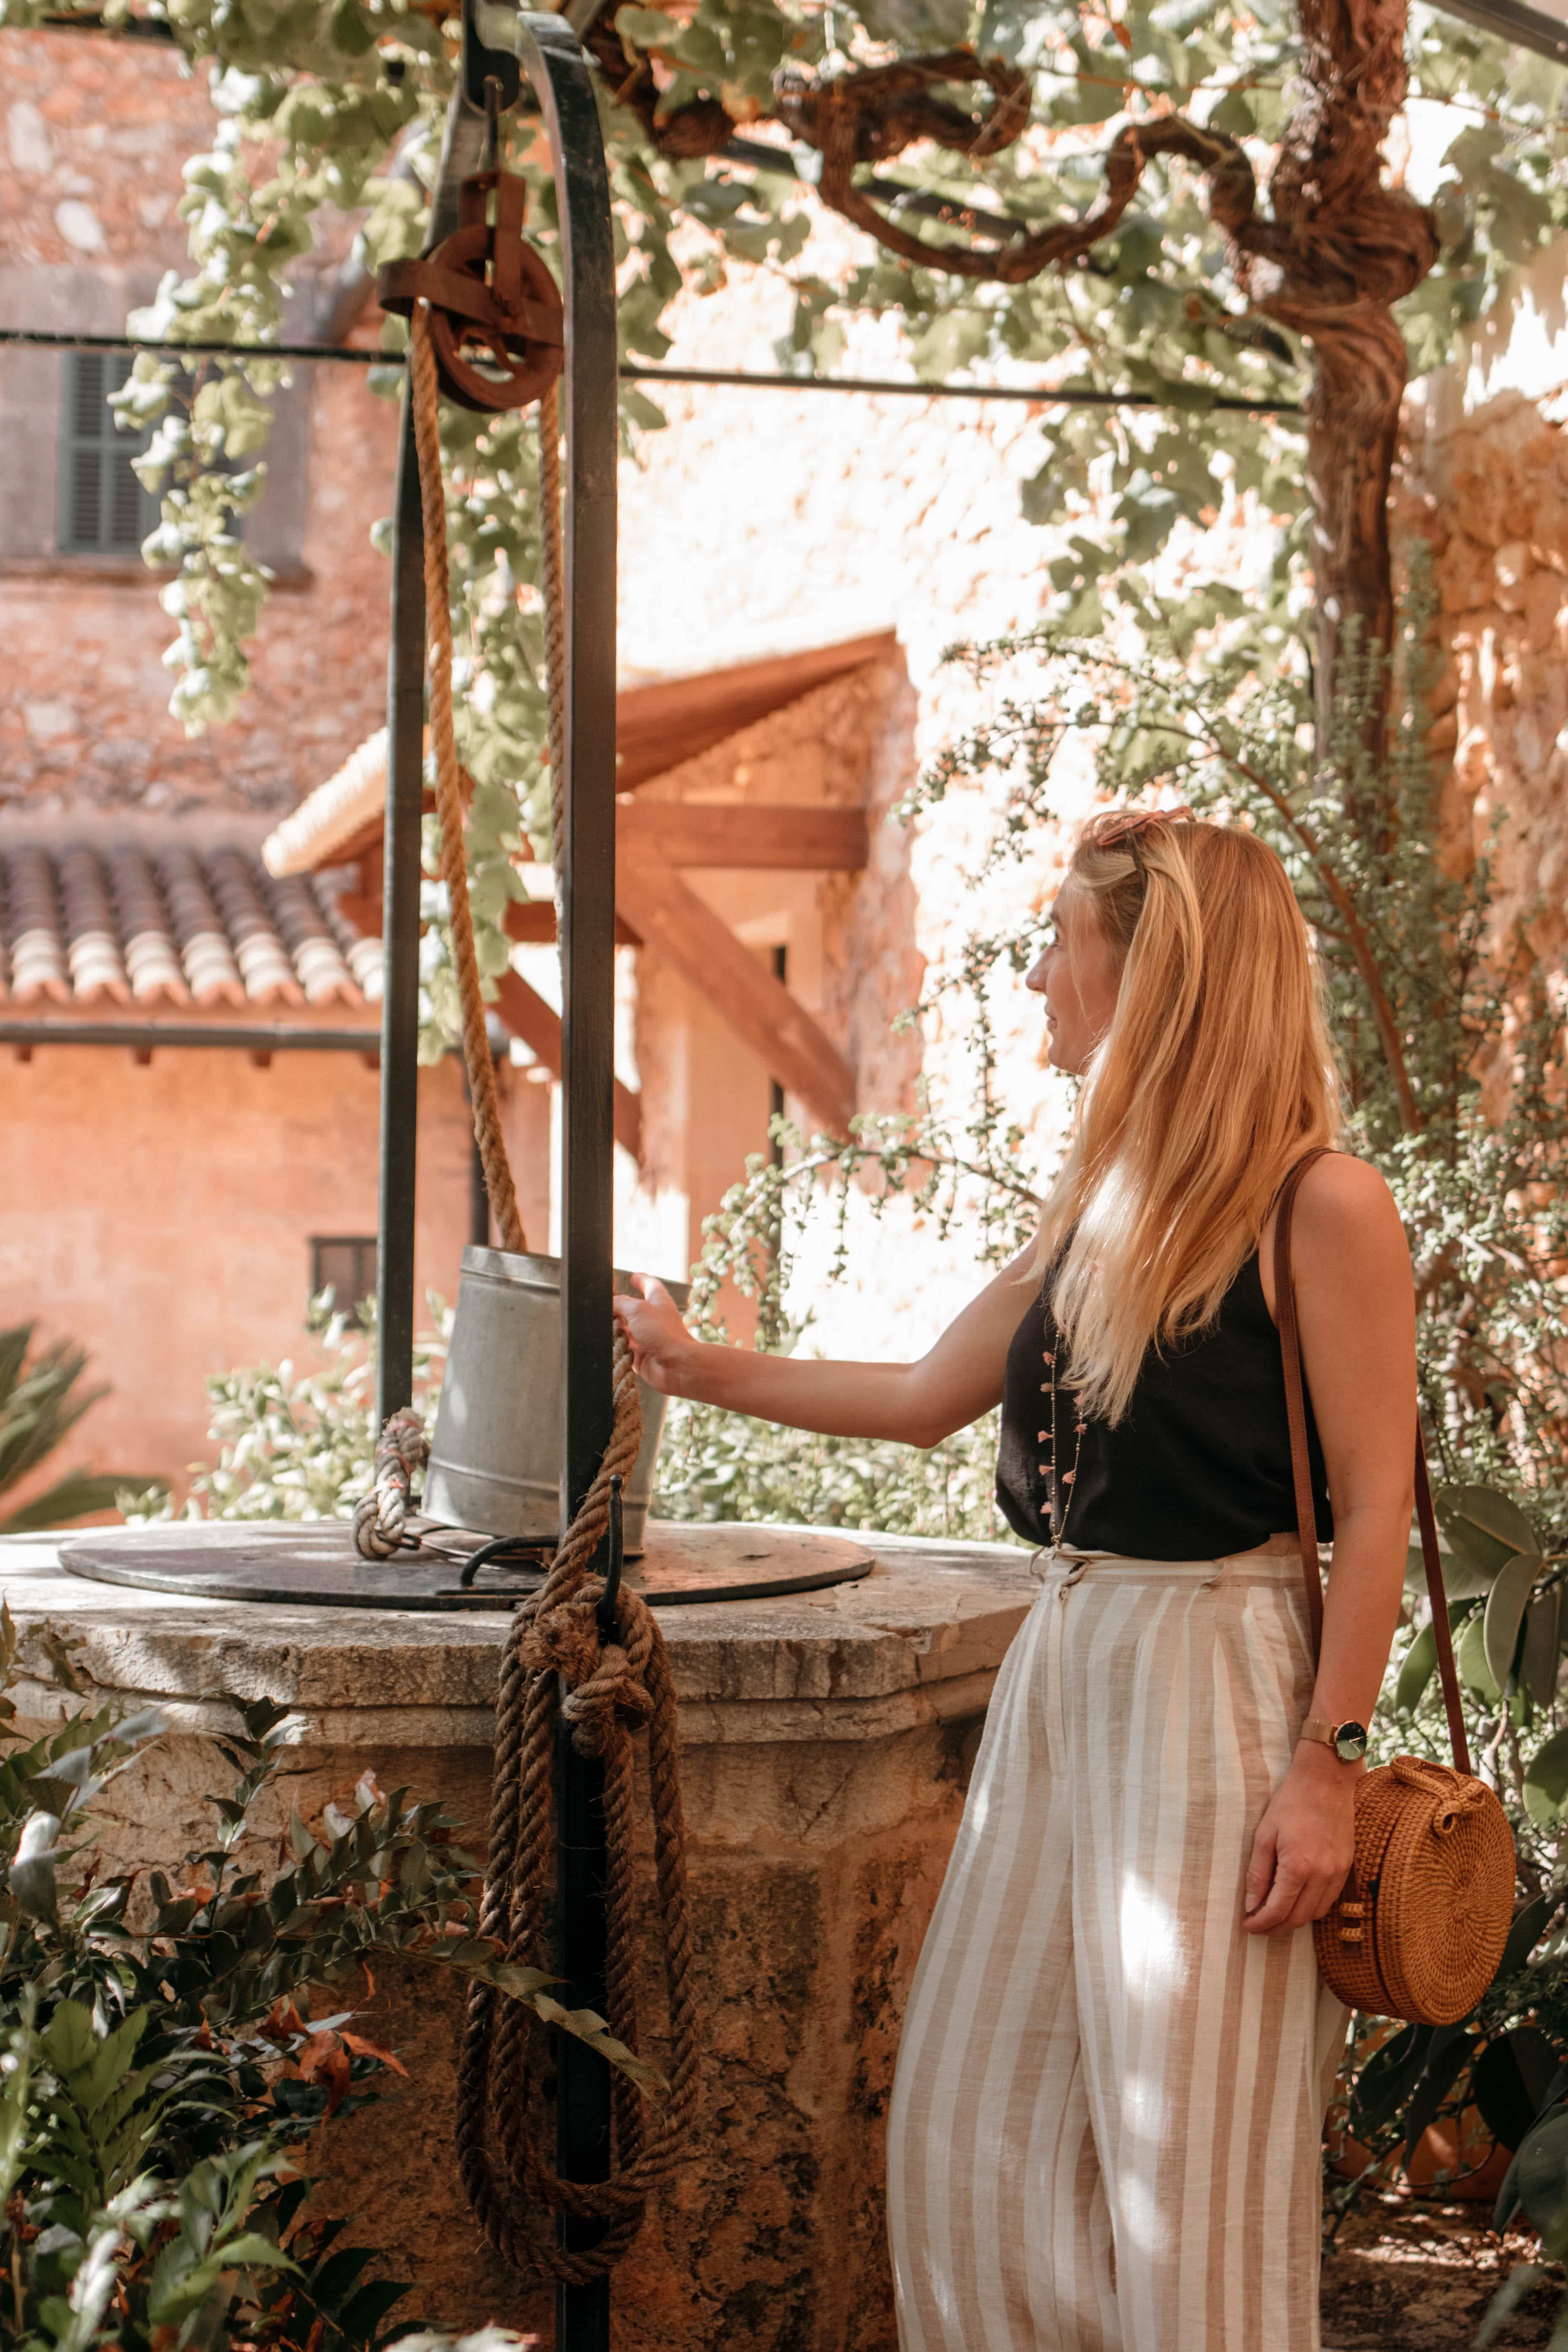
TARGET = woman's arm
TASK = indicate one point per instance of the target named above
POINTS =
(1356, 1306)
(957, 1380)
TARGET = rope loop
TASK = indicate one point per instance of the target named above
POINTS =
(1453, 1794)
(400, 1451)
(558, 1667)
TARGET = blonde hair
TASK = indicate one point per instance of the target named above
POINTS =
(1215, 1075)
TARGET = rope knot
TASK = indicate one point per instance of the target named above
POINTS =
(401, 1451)
(613, 1699)
(564, 1641)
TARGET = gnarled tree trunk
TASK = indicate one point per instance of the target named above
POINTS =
(1340, 250)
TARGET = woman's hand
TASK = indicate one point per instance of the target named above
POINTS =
(1305, 1843)
(661, 1345)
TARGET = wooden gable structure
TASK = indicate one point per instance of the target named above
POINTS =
(336, 835)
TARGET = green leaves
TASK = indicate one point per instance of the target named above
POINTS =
(1492, 1555)
(1503, 1622)
(1485, 1532)
(1538, 2177)
(155, 2084)
(1511, 2080)
(1416, 1670)
(1546, 1781)
(1541, 1653)
(914, 24)
(41, 1401)
(30, 1878)
(214, 2204)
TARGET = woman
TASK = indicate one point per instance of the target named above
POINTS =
(1106, 2123)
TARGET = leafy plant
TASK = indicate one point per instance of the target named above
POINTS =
(160, 2073)
(335, 106)
(41, 1401)
(715, 1466)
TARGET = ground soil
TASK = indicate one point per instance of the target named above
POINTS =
(1408, 2276)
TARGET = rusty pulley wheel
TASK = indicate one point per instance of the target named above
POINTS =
(496, 318)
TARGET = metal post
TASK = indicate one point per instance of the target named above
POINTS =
(400, 937)
(554, 63)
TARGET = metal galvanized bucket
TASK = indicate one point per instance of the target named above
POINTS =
(495, 1453)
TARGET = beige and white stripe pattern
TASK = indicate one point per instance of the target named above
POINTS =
(1106, 2123)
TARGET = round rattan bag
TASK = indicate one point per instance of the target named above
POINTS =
(1420, 1926)
(1420, 1923)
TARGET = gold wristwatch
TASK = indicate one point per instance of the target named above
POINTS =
(1348, 1740)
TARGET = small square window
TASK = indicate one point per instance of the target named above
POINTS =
(346, 1263)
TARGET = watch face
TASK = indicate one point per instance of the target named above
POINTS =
(1349, 1742)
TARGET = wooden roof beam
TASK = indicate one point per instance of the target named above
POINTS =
(524, 1012)
(788, 838)
(796, 1053)
(766, 837)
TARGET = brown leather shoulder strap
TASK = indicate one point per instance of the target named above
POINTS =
(1296, 1398)
(1427, 1519)
(1302, 1475)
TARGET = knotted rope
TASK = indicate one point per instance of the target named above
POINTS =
(556, 1658)
(1453, 1794)
(402, 1449)
(607, 1691)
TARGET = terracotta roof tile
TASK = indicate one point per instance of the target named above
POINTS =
(34, 931)
(363, 957)
(111, 924)
(151, 955)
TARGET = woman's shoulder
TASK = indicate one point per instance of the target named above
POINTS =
(1344, 1204)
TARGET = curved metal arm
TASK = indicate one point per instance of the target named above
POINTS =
(555, 66)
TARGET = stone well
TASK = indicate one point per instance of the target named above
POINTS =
(825, 1738)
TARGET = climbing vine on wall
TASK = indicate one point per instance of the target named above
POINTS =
(1187, 198)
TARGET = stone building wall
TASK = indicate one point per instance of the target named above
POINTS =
(163, 1214)
(1487, 497)
(96, 132)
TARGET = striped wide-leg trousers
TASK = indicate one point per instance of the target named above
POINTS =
(1106, 2122)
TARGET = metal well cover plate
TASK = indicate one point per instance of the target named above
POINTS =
(317, 1566)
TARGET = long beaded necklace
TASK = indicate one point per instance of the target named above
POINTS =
(1060, 1507)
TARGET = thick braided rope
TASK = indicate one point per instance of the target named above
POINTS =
(425, 392)
(400, 1450)
(611, 1690)
(552, 576)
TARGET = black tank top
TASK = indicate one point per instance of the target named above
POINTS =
(1199, 1467)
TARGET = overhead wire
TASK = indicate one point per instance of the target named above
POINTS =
(1193, 398)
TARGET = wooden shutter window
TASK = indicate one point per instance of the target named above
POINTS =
(104, 508)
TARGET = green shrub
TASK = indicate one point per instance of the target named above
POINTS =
(158, 2080)
(719, 1465)
(41, 1401)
